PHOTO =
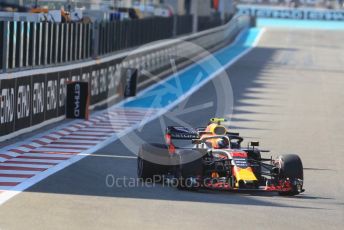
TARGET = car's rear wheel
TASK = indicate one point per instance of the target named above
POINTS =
(149, 163)
(189, 170)
(290, 167)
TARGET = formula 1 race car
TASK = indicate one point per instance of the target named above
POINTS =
(216, 160)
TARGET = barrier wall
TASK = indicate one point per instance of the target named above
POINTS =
(32, 98)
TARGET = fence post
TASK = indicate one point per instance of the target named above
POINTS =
(81, 41)
(63, 41)
(32, 61)
(39, 45)
(52, 37)
(112, 37)
(66, 46)
(88, 41)
(194, 11)
(175, 25)
(117, 35)
(13, 52)
(102, 38)
(45, 42)
(100, 33)
(107, 33)
(95, 40)
(27, 44)
(71, 41)
(2, 37)
(76, 41)
(57, 38)
(84, 41)
(21, 45)
(1, 43)
(5, 50)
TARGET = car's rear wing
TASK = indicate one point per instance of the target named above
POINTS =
(181, 133)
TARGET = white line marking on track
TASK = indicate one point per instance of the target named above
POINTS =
(5, 188)
(33, 166)
(27, 172)
(11, 179)
(34, 160)
(112, 156)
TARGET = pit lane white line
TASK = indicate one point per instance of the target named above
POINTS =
(11, 179)
(113, 156)
(35, 160)
(33, 166)
(14, 172)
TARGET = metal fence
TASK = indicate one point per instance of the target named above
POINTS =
(119, 35)
(26, 45)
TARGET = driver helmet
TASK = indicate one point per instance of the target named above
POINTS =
(218, 130)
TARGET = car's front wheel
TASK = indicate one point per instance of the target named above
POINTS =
(290, 167)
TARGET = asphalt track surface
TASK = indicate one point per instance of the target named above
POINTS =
(288, 94)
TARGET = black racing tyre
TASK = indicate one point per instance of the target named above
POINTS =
(149, 155)
(190, 166)
(290, 166)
